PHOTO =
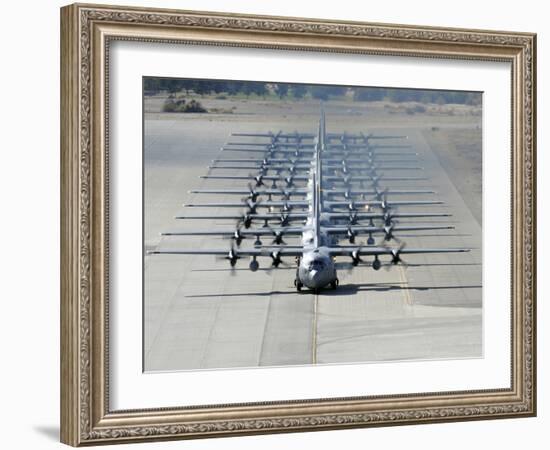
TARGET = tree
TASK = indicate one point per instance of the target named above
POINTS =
(281, 89)
(202, 87)
(367, 94)
(319, 92)
(336, 91)
(298, 91)
(151, 85)
(259, 88)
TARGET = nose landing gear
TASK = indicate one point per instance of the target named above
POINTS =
(335, 283)
(299, 285)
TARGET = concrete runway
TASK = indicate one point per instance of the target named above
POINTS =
(198, 314)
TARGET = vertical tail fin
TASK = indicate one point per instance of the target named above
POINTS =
(318, 176)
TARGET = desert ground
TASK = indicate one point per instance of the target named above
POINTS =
(198, 314)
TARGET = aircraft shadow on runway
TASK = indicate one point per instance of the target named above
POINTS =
(343, 290)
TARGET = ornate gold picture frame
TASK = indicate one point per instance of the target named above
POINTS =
(87, 32)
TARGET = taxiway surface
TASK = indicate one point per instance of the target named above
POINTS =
(198, 314)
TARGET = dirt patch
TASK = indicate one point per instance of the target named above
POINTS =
(460, 154)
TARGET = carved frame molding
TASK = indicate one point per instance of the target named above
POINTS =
(86, 31)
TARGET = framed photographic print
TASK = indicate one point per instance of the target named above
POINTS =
(277, 224)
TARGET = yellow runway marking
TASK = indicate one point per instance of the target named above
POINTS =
(314, 337)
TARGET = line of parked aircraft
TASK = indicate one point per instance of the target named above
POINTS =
(323, 188)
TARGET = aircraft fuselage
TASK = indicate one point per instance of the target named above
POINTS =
(316, 269)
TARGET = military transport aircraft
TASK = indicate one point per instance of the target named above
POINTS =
(324, 218)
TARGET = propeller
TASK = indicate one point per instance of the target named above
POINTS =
(351, 235)
(366, 137)
(232, 256)
(388, 217)
(284, 219)
(388, 233)
(237, 236)
(245, 220)
(381, 194)
(278, 237)
(372, 168)
(259, 180)
(252, 193)
(276, 260)
(355, 257)
(384, 205)
(347, 194)
(252, 206)
(396, 257)
(352, 219)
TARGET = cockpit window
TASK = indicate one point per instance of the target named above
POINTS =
(316, 265)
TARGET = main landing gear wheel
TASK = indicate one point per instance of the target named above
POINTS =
(298, 284)
(335, 283)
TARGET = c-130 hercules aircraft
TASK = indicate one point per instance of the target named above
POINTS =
(315, 257)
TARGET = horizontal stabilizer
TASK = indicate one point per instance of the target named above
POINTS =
(265, 204)
(331, 203)
(376, 229)
(266, 216)
(238, 233)
(253, 177)
(245, 192)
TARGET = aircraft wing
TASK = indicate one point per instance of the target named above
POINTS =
(371, 192)
(380, 203)
(367, 178)
(363, 136)
(266, 204)
(378, 251)
(274, 216)
(274, 166)
(359, 167)
(265, 160)
(263, 177)
(236, 233)
(277, 135)
(259, 251)
(269, 150)
(246, 191)
(363, 216)
(272, 144)
(372, 155)
(376, 229)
